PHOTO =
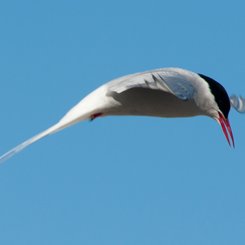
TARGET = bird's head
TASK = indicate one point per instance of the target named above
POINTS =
(221, 109)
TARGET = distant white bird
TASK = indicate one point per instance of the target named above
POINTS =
(166, 92)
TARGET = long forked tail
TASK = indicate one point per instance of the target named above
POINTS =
(86, 109)
(30, 141)
(69, 119)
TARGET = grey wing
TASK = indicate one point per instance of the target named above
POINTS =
(238, 102)
(172, 80)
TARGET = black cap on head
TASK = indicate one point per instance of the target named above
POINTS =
(221, 97)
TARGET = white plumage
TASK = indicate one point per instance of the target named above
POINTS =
(166, 92)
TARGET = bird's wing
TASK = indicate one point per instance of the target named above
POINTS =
(238, 102)
(172, 80)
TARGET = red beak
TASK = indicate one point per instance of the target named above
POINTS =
(226, 127)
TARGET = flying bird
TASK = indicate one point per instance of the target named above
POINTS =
(165, 92)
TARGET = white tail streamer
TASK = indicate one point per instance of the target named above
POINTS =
(30, 141)
(84, 110)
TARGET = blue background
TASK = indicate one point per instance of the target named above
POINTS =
(118, 180)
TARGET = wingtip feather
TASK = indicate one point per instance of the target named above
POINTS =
(238, 102)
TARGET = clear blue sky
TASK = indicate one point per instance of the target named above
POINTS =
(118, 180)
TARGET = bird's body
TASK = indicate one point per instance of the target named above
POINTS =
(147, 95)
(166, 92)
